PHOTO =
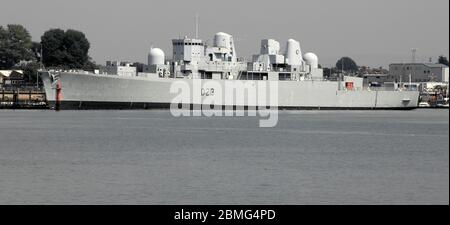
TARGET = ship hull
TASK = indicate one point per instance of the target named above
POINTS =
(90, 91)
(97, 105)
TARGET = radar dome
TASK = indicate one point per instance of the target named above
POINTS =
(156, 57)
(311, 59)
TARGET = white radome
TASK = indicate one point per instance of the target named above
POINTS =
(311, 59)
(156, 57)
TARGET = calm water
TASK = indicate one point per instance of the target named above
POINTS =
(150, 157)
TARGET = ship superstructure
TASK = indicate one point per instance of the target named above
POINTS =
(194, 60)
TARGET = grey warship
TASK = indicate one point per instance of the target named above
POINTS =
(300, 81)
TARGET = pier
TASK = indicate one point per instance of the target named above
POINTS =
(23, 98)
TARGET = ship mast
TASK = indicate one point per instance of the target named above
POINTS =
(196, 26)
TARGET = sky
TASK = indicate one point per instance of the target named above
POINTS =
(372, 32)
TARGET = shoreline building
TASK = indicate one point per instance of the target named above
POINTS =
(419, 72)
(11, 78)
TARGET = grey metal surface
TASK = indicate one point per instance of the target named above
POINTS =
(107, 88)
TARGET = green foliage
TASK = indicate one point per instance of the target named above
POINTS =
(29, 71)
(347, 64)
(90, 66)
(67, 49)
(443, 60)
(15, 45)
(36, 50)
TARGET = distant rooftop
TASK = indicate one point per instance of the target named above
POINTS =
(431, 65)
(7, 73)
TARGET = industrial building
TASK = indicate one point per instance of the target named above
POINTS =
(418, 72)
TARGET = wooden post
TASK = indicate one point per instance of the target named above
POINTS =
(14, 103)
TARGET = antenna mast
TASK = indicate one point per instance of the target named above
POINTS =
(413, 54)
(196, 26)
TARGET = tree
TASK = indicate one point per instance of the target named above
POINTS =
(15, 45)
(36, 50)
(327, 72)
(347, 64)
(53, 51)
(443, 60)
(66, 49)
(29, 71)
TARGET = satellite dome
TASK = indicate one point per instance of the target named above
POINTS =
(311, 59)
(156, 57)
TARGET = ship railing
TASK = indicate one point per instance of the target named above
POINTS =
(387, 89)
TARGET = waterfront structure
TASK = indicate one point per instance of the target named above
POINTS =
(300, 81)
(419, 72)
(11, 78)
